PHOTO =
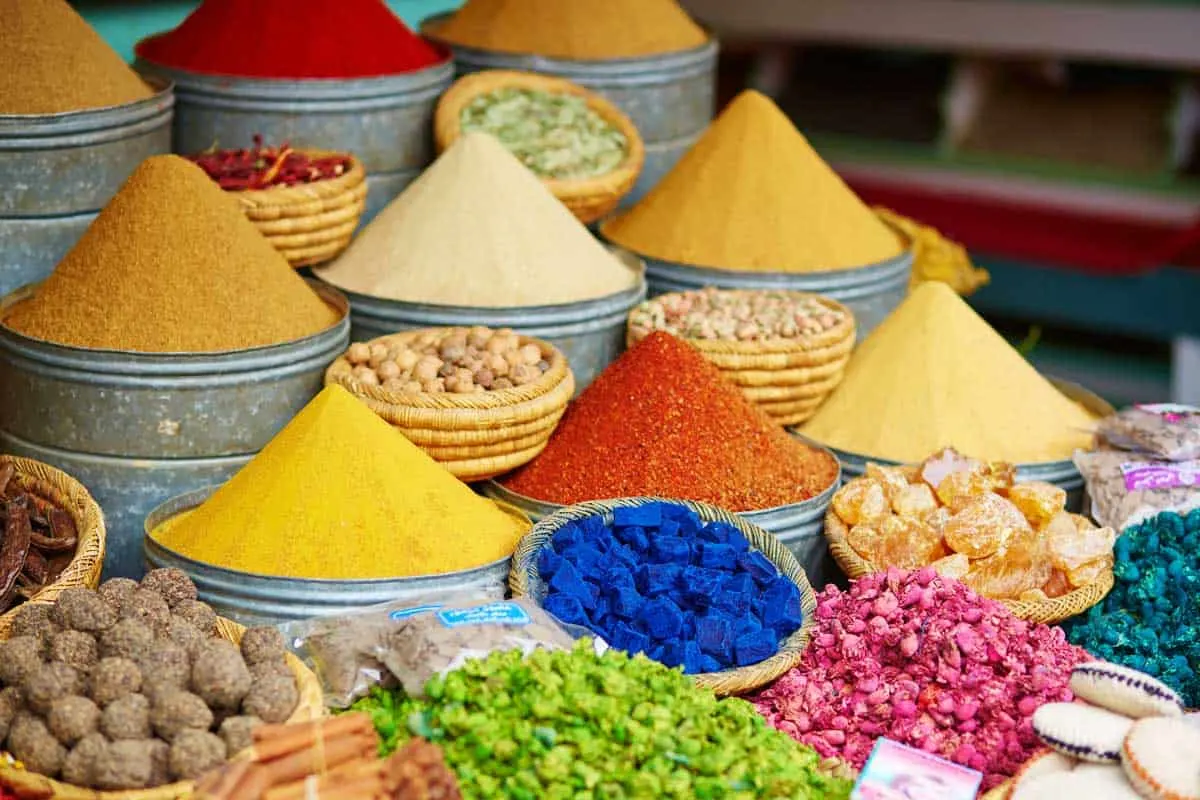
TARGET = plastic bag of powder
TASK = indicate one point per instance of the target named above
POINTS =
(1126, 488)
(397, 643)
(1166, 431)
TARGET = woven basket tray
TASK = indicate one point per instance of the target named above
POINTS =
(1047, 611)
(475, 436)
(309, 223)
(31, 785)
(62, 490)
(788, 378)
(588, 198)
(524, 581)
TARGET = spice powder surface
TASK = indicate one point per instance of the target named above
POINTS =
(661, 421)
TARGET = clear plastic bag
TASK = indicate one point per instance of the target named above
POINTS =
(1166, 431)
(1126, 488)
(397, 643)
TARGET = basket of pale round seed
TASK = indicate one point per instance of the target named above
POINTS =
(479, 401)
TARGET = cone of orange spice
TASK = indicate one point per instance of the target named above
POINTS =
(662, 422)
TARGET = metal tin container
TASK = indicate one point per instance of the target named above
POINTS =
(1063, 474)
(253, 599)
(590, 333)
(671, 97)
(137, 428)
(58, 170)
(800, 526)
(870, 292)
(387, 122)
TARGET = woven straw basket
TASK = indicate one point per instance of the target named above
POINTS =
(475, 436)
(788, 378)
(588, 198)
(31, 785)
(524, 581)
(63, 491)
(1055, 609)
(309, 223)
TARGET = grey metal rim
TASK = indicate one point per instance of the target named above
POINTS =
(88, 126)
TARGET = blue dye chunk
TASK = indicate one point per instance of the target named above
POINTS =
(591, 526)
(586, 558)
(758, 566)
(752, 648)
(623, 555)
(646, 516)
(700, 586)
(548, 562)
(656, 579)
(670, 550)
(747, 624)
(566, 609)
(781, 607)
(673, 653)
(669, 527)
(709, 664)
(566, 536)
(716, 556)
(634, 537)
(692, 658)
(625, 602)
(714, 634)
(662, 618)
(738, 583)
(734, 604)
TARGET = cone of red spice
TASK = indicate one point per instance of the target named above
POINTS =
(662, 422)
(292, 39)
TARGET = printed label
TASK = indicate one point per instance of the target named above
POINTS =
(896, 772)
(1170, 412)
(405, 613)
(1143, 475)
(504, 613)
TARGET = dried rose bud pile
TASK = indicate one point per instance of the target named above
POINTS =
(923, 660)
(458, 361)
(735, 315)
(261, 167)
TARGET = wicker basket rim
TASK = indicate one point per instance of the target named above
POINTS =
(339, 372)
(448, 125)
(306, 192)
(50, 483)
(845, 329)
(855, 566)
(524, 576)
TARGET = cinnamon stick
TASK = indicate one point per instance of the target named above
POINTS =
(335, 753)
(273, 741)
(350, 774)
(219, 784)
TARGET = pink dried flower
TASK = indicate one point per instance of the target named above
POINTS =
(923, 660)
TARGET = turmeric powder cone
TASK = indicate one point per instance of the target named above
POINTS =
(752, 194)
(339, 494)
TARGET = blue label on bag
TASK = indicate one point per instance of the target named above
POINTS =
(405, 613)
(503, 613)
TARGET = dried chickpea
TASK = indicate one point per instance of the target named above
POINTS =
(359, 353)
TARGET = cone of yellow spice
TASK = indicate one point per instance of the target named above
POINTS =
(753, 195)
(936, 375)
(338, 494)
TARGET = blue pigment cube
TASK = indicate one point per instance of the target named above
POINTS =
(602, 608)
(603, 540)
(676, 512)
(662, 618)
(568, 580)
(718, 532)
(673, 653)
(752, 648)
(781, 606)
(623, 637)
(625, 602)
(548, 562)
(714, 635)
(739, 543)
(745, 625)
(567, 535)
(716, 556)
(709, 664)
(692, 658)
(690, 526)
(615, 577)
(738, 583)
(634, 537)
(620, 554)
(656, 653)
(586, 558)
(735, 604)
(669, 527)
(566, 608)
(669, 550)
(645, 516)
(656, 579)
(689, 627)
(758, 566)
(700, 586)
(592, 526)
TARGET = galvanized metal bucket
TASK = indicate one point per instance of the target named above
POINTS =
(268, 600)
(58, 170)
(799, 526)
(137, 428)
(386, 121)
(1063, 474)
(590, 333)
(671, 97)
(870, 292)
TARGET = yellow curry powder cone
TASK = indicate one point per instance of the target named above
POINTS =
(340, 494)
(753, 194)
(936, 375)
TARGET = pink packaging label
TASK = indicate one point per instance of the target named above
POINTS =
(1170, 412)
(1143, 475)
(897, 772)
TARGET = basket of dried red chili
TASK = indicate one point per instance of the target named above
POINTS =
(53, 535)
(306, 202)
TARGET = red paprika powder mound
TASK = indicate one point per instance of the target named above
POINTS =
(292, 39)
(661, 421)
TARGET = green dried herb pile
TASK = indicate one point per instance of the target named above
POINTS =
(571, 724)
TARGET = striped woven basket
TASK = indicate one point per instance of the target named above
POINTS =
(589, 199)
(30, 785)
(309, 223)
(788, 378)
(61, 490)
(475, 436)
(524, 581)
(1055, 609)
